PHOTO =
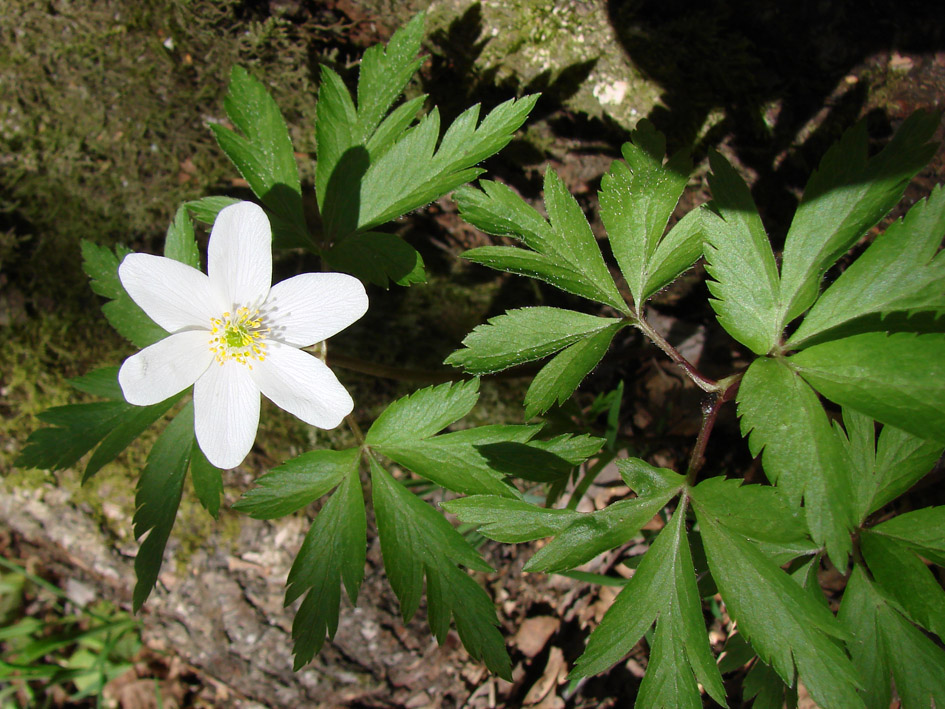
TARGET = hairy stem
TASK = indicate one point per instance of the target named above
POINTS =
(710, 411)
(701, 381)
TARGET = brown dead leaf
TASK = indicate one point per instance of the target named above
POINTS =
(555, 671)
(533, 634)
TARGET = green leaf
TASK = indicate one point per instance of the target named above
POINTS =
(739, 259)
(385, 72)
(537, 460)
(264, 156)
(349, 138)
(122, 313)
(334, 550)
(883, 643)
(297, 483)
(77, 428)
(897, 379)
(922, 530)
(455, 461)
(127, 427)
(663, 589)
(423, 413)
(549, 269)
(787, 628)
(563, 253)
(637, 198)
(647, 480)
(768, 691)
(676, 252)
(414, 172)
(102, 383)
(208, 481)
(801, 452)
(341, 160)
(905, 579)
(206, 209)
(759, 512)
(524, 335)
(593, 533)
(558, 379)
(157, 498)
(507, 520)
(378, 258)
(901, 271)
(882, 471)
(846, 196)
(416, 541)
(576, 238)
(179, 244)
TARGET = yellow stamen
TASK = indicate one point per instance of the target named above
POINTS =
(240, 337)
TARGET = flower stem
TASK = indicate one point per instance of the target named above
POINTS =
(355, 429)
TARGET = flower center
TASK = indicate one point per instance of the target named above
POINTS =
(239, 336)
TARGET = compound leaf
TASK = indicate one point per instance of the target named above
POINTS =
(510, 521)
(902, 271)
(739, 259)
(884, 469)
(75, 429)
(663, 589)
(593, 533)
(637, 198)
(558, 379)
(846, 196)
(922, 530)
(423, 413)
(377, 258)
(157, 498)
(897, 379)
(905, 579)
(801, 452)
(563, 252)
(384, 73)
(417, 541)
(788, 629)
(414, 171)
(676, 252)
(884, 645)
(264, 156)
(334, 550)
(297, 483)
(101, 265)
(524, 335)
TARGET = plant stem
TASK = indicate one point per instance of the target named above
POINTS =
(703, 382)
(355, 429)
(710, 411)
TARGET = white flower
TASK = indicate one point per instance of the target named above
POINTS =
(233, 336)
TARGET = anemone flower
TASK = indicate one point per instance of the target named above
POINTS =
(233, 335)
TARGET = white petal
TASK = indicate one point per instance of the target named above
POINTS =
(240, 255)
(226, 413)
(302, 385)
(173, 294)
(312, 307)
(165, 368)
